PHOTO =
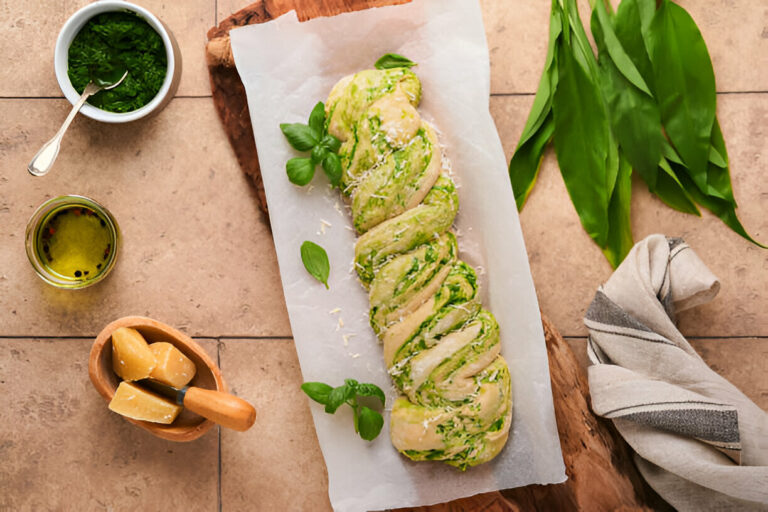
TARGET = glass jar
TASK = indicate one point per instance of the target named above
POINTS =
(72, 241)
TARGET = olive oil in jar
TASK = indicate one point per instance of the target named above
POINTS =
(73, 242)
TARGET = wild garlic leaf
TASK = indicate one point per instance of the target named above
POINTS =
(300, 170)
(620, 239)
(724, 210)
(316, 262)
(634, 115)
(526, 162)
(684, 86)
(629, 32)
(612, 46)
(300, 136)
(671, 191)
(718, 175)
(393, 60)
(369, 423)
(542, 102)
(581, 138)
(317, 391)
(538, 130)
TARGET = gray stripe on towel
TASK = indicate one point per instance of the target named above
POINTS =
(708, 425)
(604, 310)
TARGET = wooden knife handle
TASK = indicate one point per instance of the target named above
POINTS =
(222, 408)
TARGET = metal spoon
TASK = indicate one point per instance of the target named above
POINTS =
(43, 160)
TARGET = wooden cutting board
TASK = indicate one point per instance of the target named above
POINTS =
(601, 474)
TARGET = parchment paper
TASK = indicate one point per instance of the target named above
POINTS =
(287, 67)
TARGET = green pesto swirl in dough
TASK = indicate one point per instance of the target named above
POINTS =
(441, 347)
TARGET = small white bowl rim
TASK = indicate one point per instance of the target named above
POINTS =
(61, 59)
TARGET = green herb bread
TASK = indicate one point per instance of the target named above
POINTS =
(441, 347)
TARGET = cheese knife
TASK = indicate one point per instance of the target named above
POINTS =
(221, 408)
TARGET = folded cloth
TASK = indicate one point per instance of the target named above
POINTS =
(698, 440)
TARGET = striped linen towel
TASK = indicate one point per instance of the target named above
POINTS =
(698, 441)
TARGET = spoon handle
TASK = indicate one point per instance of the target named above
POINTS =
(43, 161)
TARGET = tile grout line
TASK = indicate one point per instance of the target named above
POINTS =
(219, 339)
(218, 429)
(177, 97)
(734, 337)
(195, 337)
(493, 95)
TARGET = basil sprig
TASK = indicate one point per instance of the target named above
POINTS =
(323, 146)
(647, 103)
(393, 60)
(368, 423)
(316, 262)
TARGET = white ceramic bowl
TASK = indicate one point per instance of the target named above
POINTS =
(71, 29)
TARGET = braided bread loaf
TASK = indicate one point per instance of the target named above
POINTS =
(440, 345)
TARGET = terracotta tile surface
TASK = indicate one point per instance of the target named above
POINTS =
(742, 361)
(196, 251)
(561, 252)
(277, 464)
(62, 449)
(198, 255)
(30, 28)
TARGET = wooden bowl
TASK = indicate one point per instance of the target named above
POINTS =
(187, 426)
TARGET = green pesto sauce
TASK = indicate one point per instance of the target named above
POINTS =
(118, 40)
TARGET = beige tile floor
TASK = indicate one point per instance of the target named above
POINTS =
(197, 254)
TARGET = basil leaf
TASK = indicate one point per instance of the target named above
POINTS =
(369, 423)
(300, 170)
(315, 260)
(634, 115)
(352, 383)
(724, 210)
(671, 191)
(300, 136)
(337, 397)
(685, 86)
(620, 239)
(526, 162)
(366, 389)
(332, 168)
(318, 154)
(317, 391)
(317, 119)
(581, 136)
(331, 143)
(393, 60)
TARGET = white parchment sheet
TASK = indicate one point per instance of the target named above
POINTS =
(287, 67)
